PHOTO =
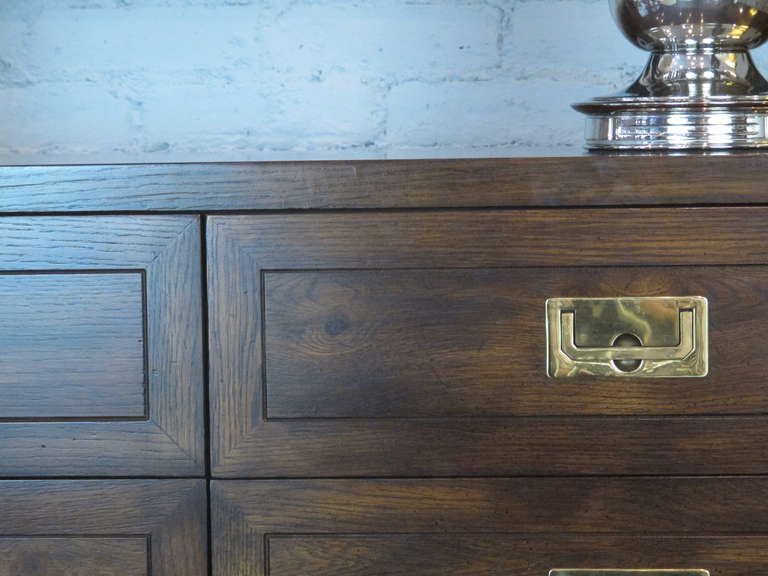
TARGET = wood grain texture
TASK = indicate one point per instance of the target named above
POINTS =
(166, 250)
(341, 344)
(242, 249)
(120, 556)
(500, 238)
(49, 525)
(543, 521)
(505, 555)
(72, 346)
(589, 180)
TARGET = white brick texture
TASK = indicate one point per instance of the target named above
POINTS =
(214, 80)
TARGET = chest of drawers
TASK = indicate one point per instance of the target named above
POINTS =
(341, 368)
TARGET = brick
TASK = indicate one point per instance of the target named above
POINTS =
(186, 80)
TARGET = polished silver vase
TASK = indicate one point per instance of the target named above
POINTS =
(700, 89)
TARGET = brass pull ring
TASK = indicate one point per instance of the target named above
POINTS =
(679, 352)
(628, 337)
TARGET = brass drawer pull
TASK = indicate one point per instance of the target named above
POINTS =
(639, 337)
(628, 572)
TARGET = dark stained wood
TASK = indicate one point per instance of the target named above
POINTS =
(588, 180)
(530, 524)
(244, 249)
(103, 528)
(72, 345)
(166, 251)
(126, 556)
(493, 238)
(495, 446)
(462, 343)
(505, 555)
(390, 340)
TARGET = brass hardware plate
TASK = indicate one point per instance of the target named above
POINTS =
(628, 573)
(590, 336)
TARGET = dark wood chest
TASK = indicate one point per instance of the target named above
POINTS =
(309, 369)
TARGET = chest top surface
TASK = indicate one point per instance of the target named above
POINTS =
(587, 180)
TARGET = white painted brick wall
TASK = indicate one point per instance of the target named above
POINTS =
(194, 80)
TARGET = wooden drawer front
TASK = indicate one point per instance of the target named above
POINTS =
(100, 347)
(103, 528)
(493, 527)
(413, 344)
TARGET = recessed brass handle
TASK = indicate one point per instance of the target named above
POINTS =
(644, 572)
(668, 337)
(679, 352)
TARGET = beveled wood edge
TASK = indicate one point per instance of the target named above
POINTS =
(727, 505)
(246, 513)
(583, 180)
(575, 446)
(497, 238)
(100, 255)
(175, 333)
(152, 451)
(236, 270)
(177, 443)
(238, 548)
(190, 543)
(173, 532)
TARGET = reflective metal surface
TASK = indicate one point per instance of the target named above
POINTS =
(638, 337)
(628, 572)
(700, 88)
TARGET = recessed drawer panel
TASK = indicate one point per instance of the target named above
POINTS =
(101, 346)
(493, 527)
(415, 344)
(72, 345)
(103, 528)
(472, 343)
(521, 555)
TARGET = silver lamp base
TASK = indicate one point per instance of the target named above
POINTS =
(656, 124)
(700, 88)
